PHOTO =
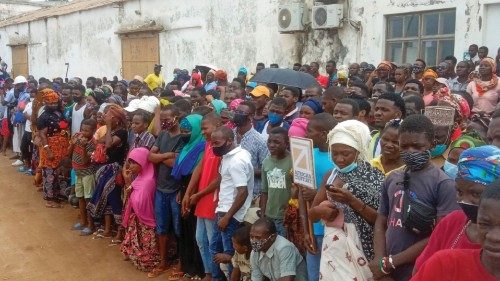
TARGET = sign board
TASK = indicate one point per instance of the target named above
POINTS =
(303, 162)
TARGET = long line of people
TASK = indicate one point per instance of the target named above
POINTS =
(195, 176)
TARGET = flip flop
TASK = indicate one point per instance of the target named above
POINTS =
(101, 236)
(86, 232)
(115, 242)
(53, 206)
(77, 226)
(156, 272)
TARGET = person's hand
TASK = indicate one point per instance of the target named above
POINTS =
(341, 195)
(223, 222)
(157, 110)
(311, 248)
(127, 176)
(185, 205)
(193, 200)
(307, 193)
(74, 139)
(375, 268)
(222, 258)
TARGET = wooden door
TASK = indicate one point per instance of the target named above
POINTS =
(140, 52)
(20, 60)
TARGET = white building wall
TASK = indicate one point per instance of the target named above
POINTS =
(228, 34)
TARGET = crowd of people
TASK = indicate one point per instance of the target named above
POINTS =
(195, 176)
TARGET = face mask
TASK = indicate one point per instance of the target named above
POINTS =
(349, 168)
(167, 125)
(438, 150)
(416, 160)
(221, 150)
(258, 244)
(274, 119)
(185, 138)
(470, 210)
(450, 169)
(240, 119)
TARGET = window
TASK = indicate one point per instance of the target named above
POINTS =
(428, 35)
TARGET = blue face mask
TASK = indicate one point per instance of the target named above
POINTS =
(450, 169)
(348, 168)
(438, 150)
(274, 119)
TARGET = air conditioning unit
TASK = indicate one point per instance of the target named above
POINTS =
(292, 17)
(327, 16)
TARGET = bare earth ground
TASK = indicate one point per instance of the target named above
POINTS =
(36, 243)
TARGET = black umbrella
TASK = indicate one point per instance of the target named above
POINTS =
(285, 77)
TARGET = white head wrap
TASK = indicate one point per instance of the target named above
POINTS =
(354, 134)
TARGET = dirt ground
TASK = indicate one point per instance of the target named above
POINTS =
(36, 243)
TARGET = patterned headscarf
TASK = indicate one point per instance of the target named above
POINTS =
(430, 73)
(50, 96)
(235, 103)
(484, 86)
(221, 75)
(385, 63)
(314, 104)
(118, 113)
(480, 164)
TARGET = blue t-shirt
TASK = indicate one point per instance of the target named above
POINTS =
(322, 164)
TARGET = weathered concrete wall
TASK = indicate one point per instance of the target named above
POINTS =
(228, 34)
(9, 9)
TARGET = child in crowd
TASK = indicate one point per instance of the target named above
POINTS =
(241, 257)
(398, 238)
(276, 178)
(140, 123)
(81, 147)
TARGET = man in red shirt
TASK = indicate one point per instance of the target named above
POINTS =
(322, 80)
(471, 264)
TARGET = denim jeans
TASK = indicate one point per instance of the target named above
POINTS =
(204, 234)
(313, 260)
(167, 213)
(280, 228)
(222, 243)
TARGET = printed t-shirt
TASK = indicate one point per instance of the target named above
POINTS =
(277, 183)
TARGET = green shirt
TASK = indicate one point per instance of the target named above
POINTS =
(277, 183)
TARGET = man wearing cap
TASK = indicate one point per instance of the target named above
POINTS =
(242, 74)
(15, 100)
(155, 80)
(260, 97)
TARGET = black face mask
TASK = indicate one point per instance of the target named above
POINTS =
(240, 119)
(221, 150)
(470, 210)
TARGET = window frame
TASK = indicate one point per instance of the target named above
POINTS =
(420, 38)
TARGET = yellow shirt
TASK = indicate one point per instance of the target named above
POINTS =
(154, 81)
(377, 163)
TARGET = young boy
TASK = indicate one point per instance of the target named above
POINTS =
(81, 147)
(200, 192)
(317, 130)
(140, 124)
(396, 247)
(276, 178)
(241, 258)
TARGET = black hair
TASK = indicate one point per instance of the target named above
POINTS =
(80, 88)
(226, 132)
(324, 121)
(314, 62)
(273, 86)
(295, 91)
(495, 114)
(484, 48)
(394, 124)
(90, 122)
(363, 104)
(145, 116)
(173, 108)
(398, 102)
(66, 87)
(354, 105)
(261, 64)
(203, 110)
(297, 64)
(334, 92)
(280, 131)
(318, 88)
(214, 93)
(167, 93)
(279, 101)
(466, 96)
(422, 61)
(418, 123)
(176, 83)
(267, 223)
(274, 65)
(250, 105)
(174, 99)
(415, 81)
(135, 82)
(200, 91)
(362, 86)
(184, 105)
(214, 118)
(241, 81)
(452, 58)
(242, 235)
(93, 79)
(417, 100)
(388, 86)
(473, 45)
(492, 191)
(332, 62)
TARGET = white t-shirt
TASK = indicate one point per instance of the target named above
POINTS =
(29, 111)
(236, 170)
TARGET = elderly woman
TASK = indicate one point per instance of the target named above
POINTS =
(477, 168)
(351, 191)
(53, 134)
(106, 201)
(485, 88)
(140, 243)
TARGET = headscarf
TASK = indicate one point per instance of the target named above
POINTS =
(116, 99)
(141, 200)
(298, 127)
(466, 142)
(385, 63)
(430, 73)
(354, 134)
(221, 75)
(218, 105)
(117, 112)
(314, 105)
(191, 152)
(197, 78)
(50, 96)
(480, 164)
(484, 86)
(235, 103)
(99, 95)
(243, 70)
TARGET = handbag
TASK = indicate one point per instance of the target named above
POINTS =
(99, 154)
(18, 118)
(418, 217)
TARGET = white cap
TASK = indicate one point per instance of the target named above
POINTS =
(20, 80)
(443, 81)
(146, 103)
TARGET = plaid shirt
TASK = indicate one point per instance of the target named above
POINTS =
(144, 139)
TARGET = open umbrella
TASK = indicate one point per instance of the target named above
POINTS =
(285, 77)
(205, 68)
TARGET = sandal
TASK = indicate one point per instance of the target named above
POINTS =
(156, 272)
(196, 277)
(176, 276)
(115, 242)
(53, 205)
(86, 232)
(78, 226)
(101, 236)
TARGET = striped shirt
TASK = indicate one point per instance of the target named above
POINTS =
(83, 169)
(144, 139)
